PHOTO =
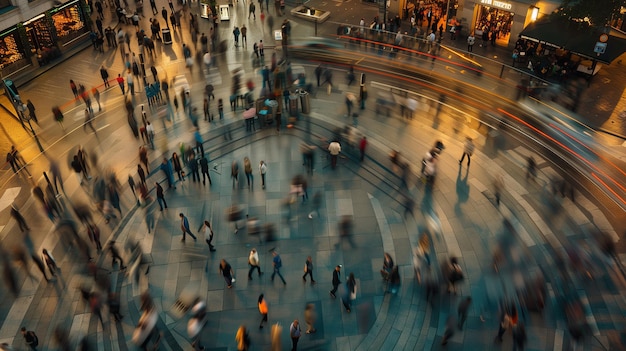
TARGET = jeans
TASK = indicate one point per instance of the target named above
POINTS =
(277, 271)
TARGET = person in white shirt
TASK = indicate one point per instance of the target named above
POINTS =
(334, 149)
(253, 261)
(262, 170)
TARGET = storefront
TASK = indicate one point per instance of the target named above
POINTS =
(69, 22)
(42, 38)
(502, 19)
(12, 53)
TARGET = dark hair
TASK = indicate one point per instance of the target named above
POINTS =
(260, 298)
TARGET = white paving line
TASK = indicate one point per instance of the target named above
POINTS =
(558, 340)
(383, 225)
(14, 318)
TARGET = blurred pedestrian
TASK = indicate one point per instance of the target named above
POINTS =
(113, 302)
(519, 336)
(336, 281)
(227, 272)
(498, 186)
(309, 318)
(234, 173)
(50, 262)
(449, 332)
(253, 261)
(115, 255)
(184, 226)
(531, 168)
(350, 293)
(166, 167)
(17, 215)
(275, 336)
(204, 167)
(178, 168)
(294, 332)
(142, 174)
(160, 196)
(31, 110)
(247, 168)
(89, 117)
(308, 269)
(362, 147)
(143, 157)
(317, 202)
(454, 273)
(277, 262)
(262, 310)
(334, 148)
(262, 170)
(468, 150)
(74, 88)
(30, 338)
(345, 230)
(462, 311)
(206, 229)
(242, 338)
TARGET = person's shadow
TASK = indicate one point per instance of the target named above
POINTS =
(462, 190)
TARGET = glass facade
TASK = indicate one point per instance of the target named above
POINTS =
(12, 54)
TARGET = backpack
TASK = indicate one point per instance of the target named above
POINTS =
(35, 338)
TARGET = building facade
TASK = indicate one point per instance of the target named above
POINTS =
(506, 18)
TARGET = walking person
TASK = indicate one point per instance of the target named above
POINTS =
(244, 33)
(236, 33)
(160, 196)
(247, 168)
(309, 318)
(242, 338)
(184, 226)
(362, 147)
(262, 170)
(253, 261)
(164, 15)
(89, 117)
(531, 168)
(449, 332)
(252, 9)
(142, 174)
(17, 215)
(350, 294)
(50, 262)
(115, 255)
(519, 336)
(31, 110)
(294, 332)
(30, 338)
(227, 272)
(204, 167)
(336, 281)
(498, 186)
(208, 234)
(178, 167)
(105, 76)
(120, 82)
(166, 167)
(308, 270)
(334, 148)
(468, 150)
(277, 263)
(262, 310)
(234, 173)
(462, 311)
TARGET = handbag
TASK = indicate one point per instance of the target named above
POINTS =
(353, 294)
(305, 267)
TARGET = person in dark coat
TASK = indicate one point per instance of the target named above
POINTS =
(17, 215)
(336, 280)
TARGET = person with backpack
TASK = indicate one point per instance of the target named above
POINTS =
(30, 338)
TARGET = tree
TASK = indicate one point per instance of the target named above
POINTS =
(596, 13)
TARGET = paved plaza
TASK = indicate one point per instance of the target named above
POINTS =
(460, 212)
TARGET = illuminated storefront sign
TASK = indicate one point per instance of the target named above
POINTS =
(496, 3)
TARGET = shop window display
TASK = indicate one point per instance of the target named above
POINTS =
(495, 22)
(12, 55)
(69, 24)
